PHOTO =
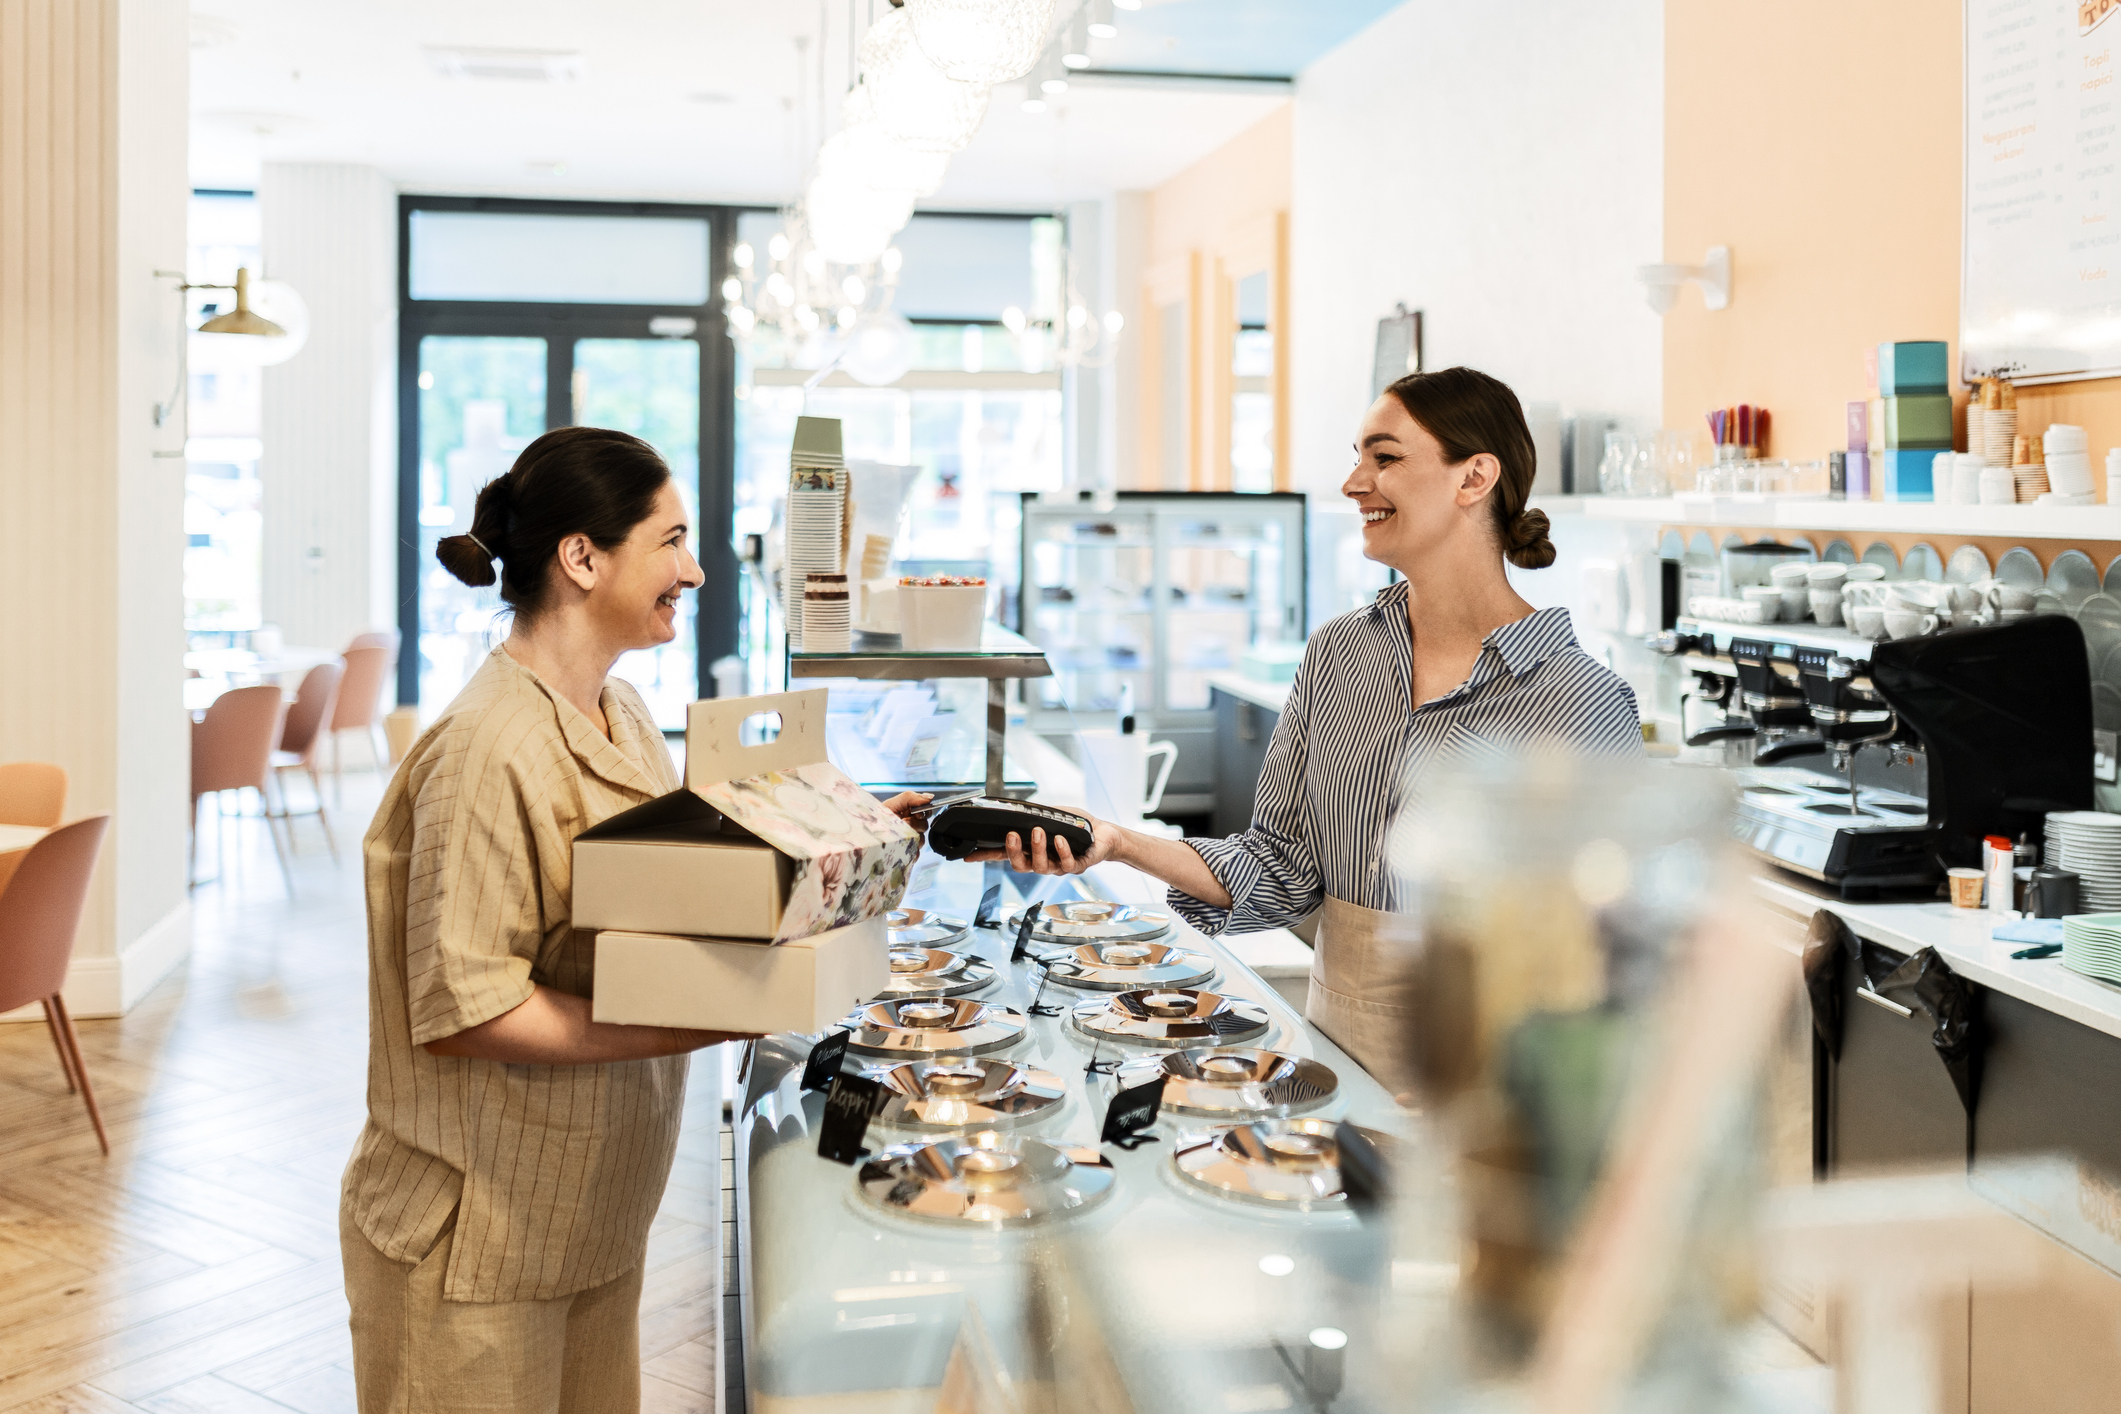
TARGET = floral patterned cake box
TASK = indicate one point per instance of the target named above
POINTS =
(768, 841)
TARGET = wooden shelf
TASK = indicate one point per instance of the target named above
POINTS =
(2033, 522)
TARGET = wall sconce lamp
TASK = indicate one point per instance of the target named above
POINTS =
(241, 336)
(1662, 283)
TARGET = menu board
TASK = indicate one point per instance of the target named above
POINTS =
(2040, 288)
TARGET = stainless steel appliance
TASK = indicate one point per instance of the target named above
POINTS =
(1994, 723)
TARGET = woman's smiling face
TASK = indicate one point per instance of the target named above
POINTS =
(1411, 498)
(636, 598)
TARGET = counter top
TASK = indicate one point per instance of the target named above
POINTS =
(1271, 695)
(1961, 938)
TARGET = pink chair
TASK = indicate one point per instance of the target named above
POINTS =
(231, 749)
(300, 736)
(32, 793)
(369, 659)
(40, 911)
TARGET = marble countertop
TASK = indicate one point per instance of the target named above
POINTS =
(1961, 938)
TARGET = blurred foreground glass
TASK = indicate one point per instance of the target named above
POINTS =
(1591, 1023)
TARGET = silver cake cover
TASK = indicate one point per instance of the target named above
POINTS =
(918, 928)
(1292, 1164)
(988, 1178)
(965, 1094)
(913, 1027)
(1092, 921)
(1234, 1084)
(1173, 1017)
(931, 972)
(1128, 967)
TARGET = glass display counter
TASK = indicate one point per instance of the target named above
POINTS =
(1158, 1293)
(1001, 657)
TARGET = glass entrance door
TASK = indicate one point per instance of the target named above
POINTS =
(481, 400)
(651, 388)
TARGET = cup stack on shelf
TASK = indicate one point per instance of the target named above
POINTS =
(2028, 471)
(1999, 422)
(2069, 466)
(817, 518)
(827, 627)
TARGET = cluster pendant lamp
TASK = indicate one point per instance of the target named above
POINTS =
(926, 68)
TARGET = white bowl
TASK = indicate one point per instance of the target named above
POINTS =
(1826, 576)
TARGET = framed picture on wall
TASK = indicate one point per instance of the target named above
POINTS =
(1398, 349)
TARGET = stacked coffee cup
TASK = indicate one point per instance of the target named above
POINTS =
(2069, 466)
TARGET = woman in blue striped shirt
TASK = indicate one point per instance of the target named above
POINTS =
(1449, 660)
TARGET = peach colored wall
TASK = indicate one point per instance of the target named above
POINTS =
(1243, 180)
(1829, 161)
(1220, 220)
(1819, 140)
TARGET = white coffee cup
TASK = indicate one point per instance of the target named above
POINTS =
(1909, 623)
(1783, 576)
(1826, 605)
(1116, 773)
(2011, 599)
(1858, 573)
(1867, 620)
(1796, 602)
(1826, 576)
(1768, 598)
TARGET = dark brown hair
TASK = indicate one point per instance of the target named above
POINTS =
(1468, 413)
(589, 481)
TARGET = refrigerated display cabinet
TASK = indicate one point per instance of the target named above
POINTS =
(1156, 589)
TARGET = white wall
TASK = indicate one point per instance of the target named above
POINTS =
(1499, 167)
(92, 204)
(329, 468)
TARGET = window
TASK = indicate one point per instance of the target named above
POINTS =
(223, 516)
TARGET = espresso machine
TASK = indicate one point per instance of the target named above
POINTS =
(1990, 729)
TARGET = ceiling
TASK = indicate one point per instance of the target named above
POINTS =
(698, 100)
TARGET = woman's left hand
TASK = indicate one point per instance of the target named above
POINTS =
(905, 803)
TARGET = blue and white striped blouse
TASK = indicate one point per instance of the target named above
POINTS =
(1334, 770)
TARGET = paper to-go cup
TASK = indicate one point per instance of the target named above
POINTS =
(940, 618)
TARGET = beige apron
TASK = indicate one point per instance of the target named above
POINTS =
(1363, 981)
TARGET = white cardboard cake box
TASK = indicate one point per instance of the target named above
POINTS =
(767, 841)
(723, 984)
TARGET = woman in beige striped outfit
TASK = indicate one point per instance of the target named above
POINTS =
(495, 1213)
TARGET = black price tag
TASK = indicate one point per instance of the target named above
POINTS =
(1133, 1110)
(1363, 1174)
(1024, 931)
(848, 1105)
(825, 1060)
(988, 902)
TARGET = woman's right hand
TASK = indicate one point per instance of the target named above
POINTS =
(1050, 854)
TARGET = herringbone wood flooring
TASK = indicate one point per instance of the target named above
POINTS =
(197, 1268)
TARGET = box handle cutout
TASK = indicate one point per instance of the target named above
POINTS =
(759, 728)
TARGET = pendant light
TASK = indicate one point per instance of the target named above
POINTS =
(863, 152)
(914, 101)
(980, 41)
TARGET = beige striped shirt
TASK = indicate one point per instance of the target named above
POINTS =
(554, 1172)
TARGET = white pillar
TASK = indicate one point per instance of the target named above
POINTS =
(1126, 250)
(94, 100)
(1083, 464)
(329, 468)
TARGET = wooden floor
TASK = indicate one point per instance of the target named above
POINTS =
(197, 1268)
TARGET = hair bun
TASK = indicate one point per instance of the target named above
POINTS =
(465, 558)
(1530, 548)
